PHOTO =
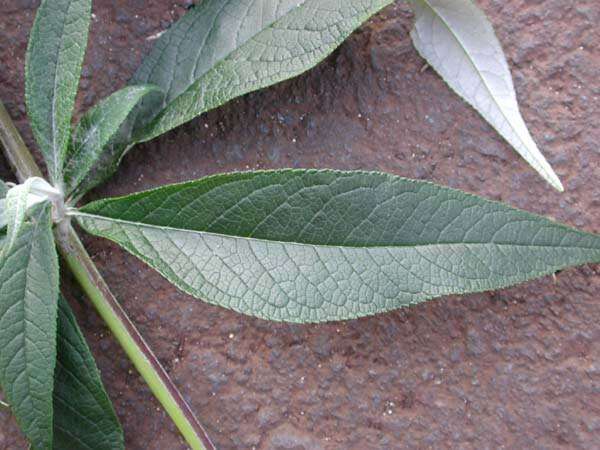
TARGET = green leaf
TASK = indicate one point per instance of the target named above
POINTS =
(3, 189)
(311, 246)
(2, 219)
(91, 140)
(18, 201)
(83, 414)
(457, 40)
(14, 208)
(223, 49)
(53, 65)
(28, 293)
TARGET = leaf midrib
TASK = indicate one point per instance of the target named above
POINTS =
(221, 235)
(224, 57)
(56, 157)
(26, 320)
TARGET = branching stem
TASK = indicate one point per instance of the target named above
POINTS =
(106, 304)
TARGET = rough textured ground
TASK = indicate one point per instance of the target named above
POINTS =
(518, 368)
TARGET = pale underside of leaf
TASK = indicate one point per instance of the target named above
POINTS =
(458, 41)
(53, 66)
(28, 293)
(245, 48)
(84, 418)
(311, 246)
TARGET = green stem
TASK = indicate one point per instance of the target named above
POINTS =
(130, 339)
(16, 151)
(106, 304)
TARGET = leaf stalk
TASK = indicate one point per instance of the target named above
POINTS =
(107, 306)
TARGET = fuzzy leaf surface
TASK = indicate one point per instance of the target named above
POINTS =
(92, 138)
(28, 294)
(19, 200)
(224, 49)
(53, 65)
(312, 246)
(458, 41)
(83, 414)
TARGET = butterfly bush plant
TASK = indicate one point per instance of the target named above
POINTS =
(284, 245)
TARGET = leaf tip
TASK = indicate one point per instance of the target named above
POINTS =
(554, 181)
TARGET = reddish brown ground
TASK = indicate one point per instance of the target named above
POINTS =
(518, 368)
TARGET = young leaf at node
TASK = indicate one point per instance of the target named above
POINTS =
(92, 137)
(19, 200)
(313, 246)
(458, 41)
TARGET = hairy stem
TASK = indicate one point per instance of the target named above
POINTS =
(106, 304)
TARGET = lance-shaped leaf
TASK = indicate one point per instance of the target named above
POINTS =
(83, 414)
(223, 49)
(53, 66)
(28, 304)
(457, 40)
(311, 246)
(95, 131)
